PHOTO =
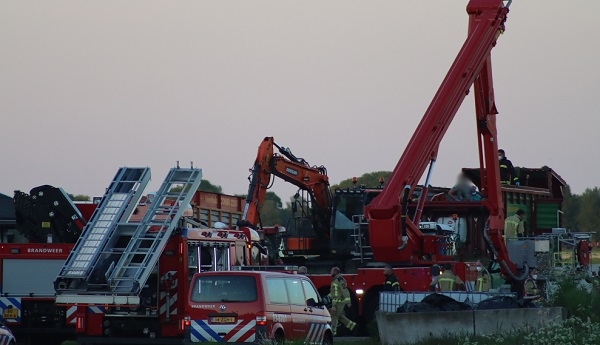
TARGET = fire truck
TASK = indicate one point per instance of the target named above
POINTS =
(129, 272)
(46, 222)
(411, 226)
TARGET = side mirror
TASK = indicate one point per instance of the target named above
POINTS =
(311, 302)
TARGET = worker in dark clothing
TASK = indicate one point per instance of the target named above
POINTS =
(507, 170)
(391, 281)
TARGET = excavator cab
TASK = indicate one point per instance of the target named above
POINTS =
(349, 228)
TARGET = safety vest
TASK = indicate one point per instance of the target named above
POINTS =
(481, 280)
(511, 226)
(339, 290)
(446, 281)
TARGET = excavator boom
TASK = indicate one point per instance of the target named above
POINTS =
(395, 237)
(293, 170)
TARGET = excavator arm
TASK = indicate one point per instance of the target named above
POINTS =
(394, 236)
(293, 170)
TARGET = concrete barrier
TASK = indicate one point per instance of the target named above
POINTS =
(408, 328)
(505, 320)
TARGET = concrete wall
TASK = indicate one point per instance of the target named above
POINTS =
(408, 328)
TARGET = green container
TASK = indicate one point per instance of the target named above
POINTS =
(546, 215)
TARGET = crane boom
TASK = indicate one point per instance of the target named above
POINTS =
(390, 229)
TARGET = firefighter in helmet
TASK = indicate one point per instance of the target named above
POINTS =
(447, 281)
(340, 298)
(484, 280)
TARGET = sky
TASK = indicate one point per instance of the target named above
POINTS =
(89, 86)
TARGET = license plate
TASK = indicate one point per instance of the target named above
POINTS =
(222, 319)
(11, 313)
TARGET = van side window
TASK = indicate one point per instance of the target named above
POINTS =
(224, 289)
(276, 291)
(295, 291)
(310, 291)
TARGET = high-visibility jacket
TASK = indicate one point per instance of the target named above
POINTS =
(339, 290)
(391, 283)
(483, 282)
(447, 281)
(513, 225)
(507, 172)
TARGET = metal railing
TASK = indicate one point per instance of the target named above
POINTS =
(390, 301)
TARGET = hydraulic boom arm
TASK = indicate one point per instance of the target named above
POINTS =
(394, 237)
(290, 169)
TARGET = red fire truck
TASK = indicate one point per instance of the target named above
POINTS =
(35, 247)
(407, 225)
(129, 272)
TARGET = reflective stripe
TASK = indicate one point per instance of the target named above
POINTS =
(480, 282)
(502, 166)
(448, 280)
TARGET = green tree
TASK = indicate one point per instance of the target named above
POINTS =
(570, 208)
(206, 186)
(369, 180)
(271, 211)
(80, 197)
(588, 218)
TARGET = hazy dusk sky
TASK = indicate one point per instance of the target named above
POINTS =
(89, 86)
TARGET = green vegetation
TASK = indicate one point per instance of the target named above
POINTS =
(206, 186)
(572, 331)
(581, 210)
(582, 326)
(369, 180)
(80, 197)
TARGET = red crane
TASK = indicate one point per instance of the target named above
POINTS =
(395, 237)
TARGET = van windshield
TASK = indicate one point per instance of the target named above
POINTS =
(224, 289)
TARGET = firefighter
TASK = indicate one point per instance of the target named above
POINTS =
(507, 170)
(340, 298)
(435, 271)
(513, 225)
(302, 270)
(391, 281)
(530, 289)
(484, 280)
(447, 281)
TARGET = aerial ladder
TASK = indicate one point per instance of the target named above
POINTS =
(395, 235)
(113, 258)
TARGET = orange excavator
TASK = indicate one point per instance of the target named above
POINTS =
(312, 180)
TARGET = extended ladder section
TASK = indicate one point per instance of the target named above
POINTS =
(117, 205)
(140, 256)
(131, 250)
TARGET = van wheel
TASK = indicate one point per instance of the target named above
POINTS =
(327, 339)
(279, 338)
